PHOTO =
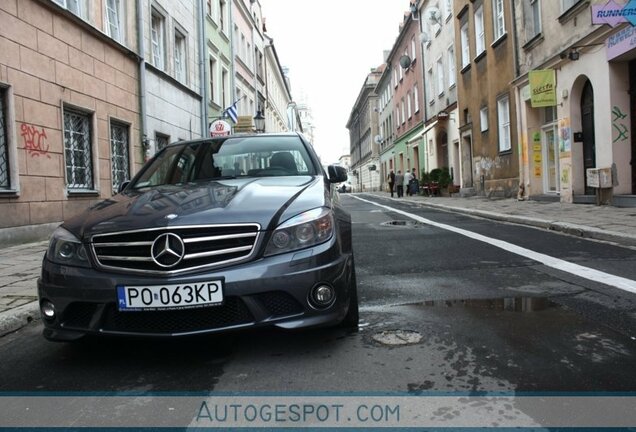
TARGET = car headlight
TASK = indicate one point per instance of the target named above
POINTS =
(302, 231)
(66, 249)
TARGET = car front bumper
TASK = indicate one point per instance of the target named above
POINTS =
(270, 291)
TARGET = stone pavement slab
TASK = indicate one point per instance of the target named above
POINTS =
(19, 269)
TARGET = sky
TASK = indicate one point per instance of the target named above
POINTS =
(330, 46)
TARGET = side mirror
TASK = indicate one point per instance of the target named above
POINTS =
(123, 186)
(337, 174)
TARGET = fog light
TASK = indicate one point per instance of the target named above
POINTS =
(48, 310)
(322, 296)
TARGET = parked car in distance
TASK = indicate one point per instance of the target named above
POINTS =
(211, 235)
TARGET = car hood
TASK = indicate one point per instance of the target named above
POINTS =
(266, 201)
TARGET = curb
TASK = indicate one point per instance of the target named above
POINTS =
(16, 318)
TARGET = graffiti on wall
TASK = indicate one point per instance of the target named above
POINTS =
(618, 123)
(35, 140)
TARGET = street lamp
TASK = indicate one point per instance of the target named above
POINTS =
(259, 122)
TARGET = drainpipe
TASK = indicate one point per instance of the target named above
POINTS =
(145, 142)
(523, 174)
(203, 71)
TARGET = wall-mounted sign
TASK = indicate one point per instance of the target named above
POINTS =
(442, 115)
(542, 88)
(220, 128)
(621, 42)
(613, 13)
(244, 125)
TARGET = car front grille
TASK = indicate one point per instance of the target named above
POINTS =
(79, 315)
(190, 248)
(107, 317)
(231, 313)
(279, 303)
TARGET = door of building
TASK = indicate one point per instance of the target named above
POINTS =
(551, 159)
(587, 121)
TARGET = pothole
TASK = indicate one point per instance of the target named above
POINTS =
(397, 337)
(403, 223)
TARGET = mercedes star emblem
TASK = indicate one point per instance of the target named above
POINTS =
(168, 250)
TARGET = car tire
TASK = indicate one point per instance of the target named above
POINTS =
(353, 315)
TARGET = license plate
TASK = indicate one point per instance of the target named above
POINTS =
(182, 296)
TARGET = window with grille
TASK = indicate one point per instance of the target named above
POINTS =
(503, 113)
(161, 141)
(77, 150)
(157, 39)
(179, 56)
(4, 144)
(119, 154)
(114, 19)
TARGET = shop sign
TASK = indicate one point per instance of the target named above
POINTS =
(220, 128)
(621, 42)
(542, 88)
(613, 13)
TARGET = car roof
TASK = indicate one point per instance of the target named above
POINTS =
(239, 135)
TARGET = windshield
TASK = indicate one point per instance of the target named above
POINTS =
(229, 158)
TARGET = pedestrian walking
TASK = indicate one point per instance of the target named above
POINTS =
(407, 182)
(414, 185)
(399, 182)
(391, 179)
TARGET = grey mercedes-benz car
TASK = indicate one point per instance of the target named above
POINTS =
(211, 235)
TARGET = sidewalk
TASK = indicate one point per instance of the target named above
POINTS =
(590, 221)
(20, 265)
(19, 270)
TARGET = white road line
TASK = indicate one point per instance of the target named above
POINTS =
(559, 264)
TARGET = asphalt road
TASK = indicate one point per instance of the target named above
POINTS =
(439, 312)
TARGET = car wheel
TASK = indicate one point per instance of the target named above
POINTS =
(352, 317)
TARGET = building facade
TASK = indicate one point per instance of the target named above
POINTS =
(70, 103)
(89, 90)
(278, 93)
(174, 92)
(386, 141)
(486, 103)
(440, 138)
(363, 128)
(404, 63)
(589, 121)
(219, 70)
